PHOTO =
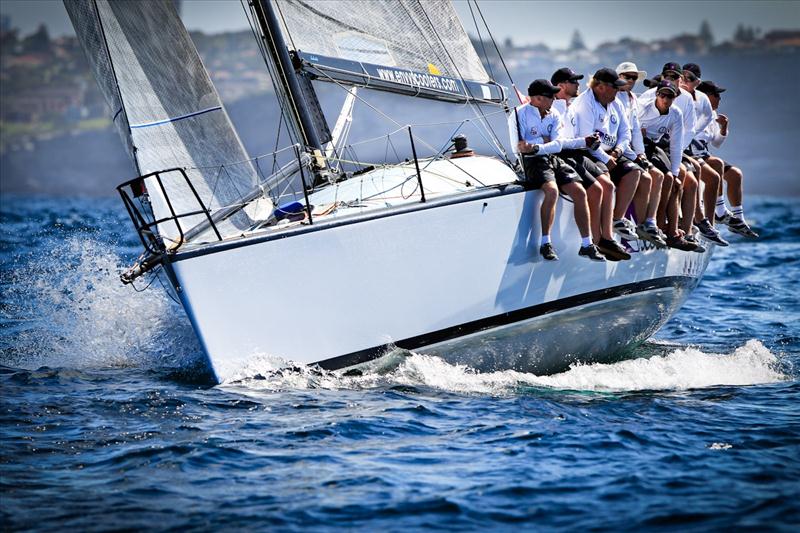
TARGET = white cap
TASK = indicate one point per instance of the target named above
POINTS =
(627, 66)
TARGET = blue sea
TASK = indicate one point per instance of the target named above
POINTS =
(108, 422)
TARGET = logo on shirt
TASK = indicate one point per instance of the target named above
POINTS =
(662, 129)
(613, 119)
(534, 132)
(549, 128)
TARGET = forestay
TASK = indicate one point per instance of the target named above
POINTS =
(165, 108)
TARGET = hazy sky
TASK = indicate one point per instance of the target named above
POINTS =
(527, 22)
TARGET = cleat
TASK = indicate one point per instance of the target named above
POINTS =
(679, 243)
(622, 227)
(612, 250)
(699, 248)
(710, 233)
(548, 252)
(737, 225)
(591, 252)
(652, 234)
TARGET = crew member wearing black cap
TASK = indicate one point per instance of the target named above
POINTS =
(714, 135)
(673, 72)
(535, 132)
(662, 126)
(596, 110)
(704, 218)
(574, 150)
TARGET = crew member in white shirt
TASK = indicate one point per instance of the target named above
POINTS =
(714, 135)
(662, 127)
(685, 104)
(596, 110)
(704, 218)
(649, 190)
(575, 154)
(536, 135)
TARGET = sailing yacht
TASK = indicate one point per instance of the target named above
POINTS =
(317, 257)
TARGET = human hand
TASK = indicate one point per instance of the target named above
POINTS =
(722, 120)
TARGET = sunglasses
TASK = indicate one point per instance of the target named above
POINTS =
(690, 77)
(573, 82)
(673, 77)
(612, 86)
(668, 96)
(630, 77)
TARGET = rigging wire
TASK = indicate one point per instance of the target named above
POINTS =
(480, 39)
(494, 42)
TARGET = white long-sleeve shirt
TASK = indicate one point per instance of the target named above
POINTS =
(547, 131)
(630, 103)
(685, 104)
(703, 111)
(713, 133)
(571, 142)
(591, 116)
(656, 125)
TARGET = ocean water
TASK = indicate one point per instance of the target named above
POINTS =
(106, 421)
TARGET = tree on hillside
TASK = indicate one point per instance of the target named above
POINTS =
(37, 42)
(577, 43)
(705, 34)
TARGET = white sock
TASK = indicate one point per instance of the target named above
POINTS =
(545, 239)
(650, 222)
(720, 209)
(737, 211)
(586, 241)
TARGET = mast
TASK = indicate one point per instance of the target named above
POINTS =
(273, 39)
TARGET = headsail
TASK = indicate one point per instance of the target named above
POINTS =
(165, 108)
(407, 46)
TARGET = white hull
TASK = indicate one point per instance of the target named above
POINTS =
(459, 277)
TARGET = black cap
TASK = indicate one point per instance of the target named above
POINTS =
(565, 74)
(667, 85)
(652, 82)
(543, 88)
(709, 87)
(608, 75)
(694, 68)
(672, 67)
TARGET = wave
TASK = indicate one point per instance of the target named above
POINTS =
(67, 308)
(680, 369)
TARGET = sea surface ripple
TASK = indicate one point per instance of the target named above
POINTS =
(107, 420)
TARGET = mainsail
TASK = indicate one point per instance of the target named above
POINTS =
(410, 46)
(166, 109)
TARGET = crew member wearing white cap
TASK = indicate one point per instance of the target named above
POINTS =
(714, 135)
(596, 110)
(662, 125)
(649, 190)
(536, 135)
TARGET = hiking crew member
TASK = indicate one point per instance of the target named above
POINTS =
(714, 135)
(536, 135)
(649, 191)
(575, 154)
(662, 127)
(704, 218)
(596, 110)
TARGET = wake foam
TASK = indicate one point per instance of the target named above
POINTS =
(71, 310)
(681, 369)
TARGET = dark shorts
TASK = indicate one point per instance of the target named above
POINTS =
(656, 155)
(624, 165)
(698, 150)
(541, 169)
(583, 165)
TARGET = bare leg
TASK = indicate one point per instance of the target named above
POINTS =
(548, 211)
(581, 208)
(734, 178)
(673, 208)
(607, 210)
(594, 197)
(625, 192)
(666, 197)
(641, 198)
(688, 200)
(657, 178)
(712, 182)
